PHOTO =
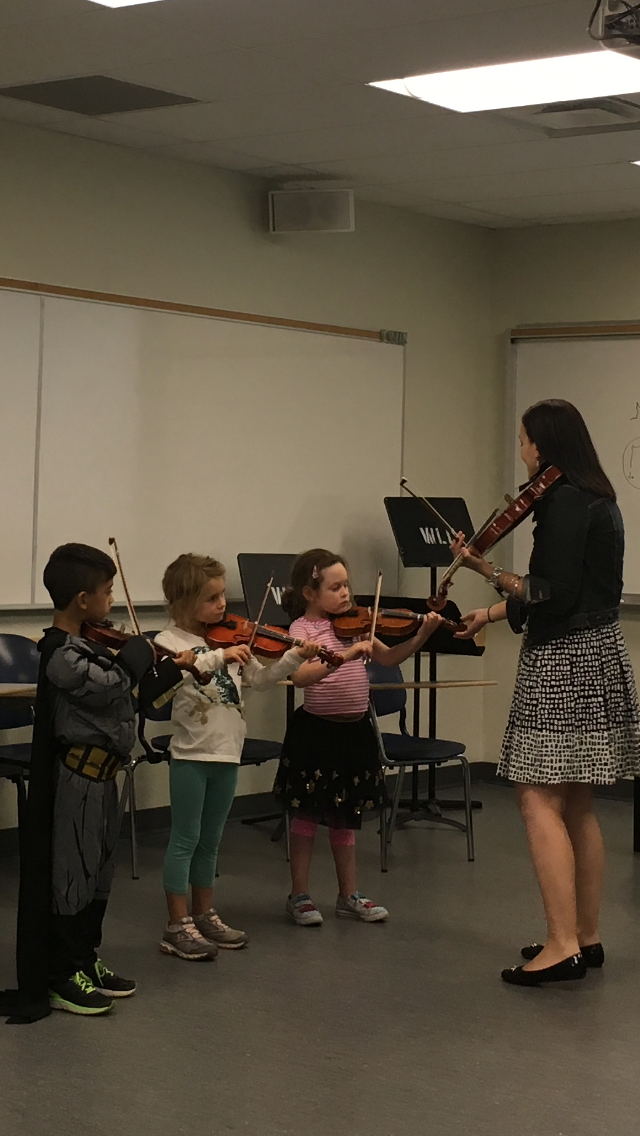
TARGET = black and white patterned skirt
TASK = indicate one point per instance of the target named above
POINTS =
(574, 714)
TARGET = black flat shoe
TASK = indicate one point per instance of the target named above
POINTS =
(568, 970)
(593, 955)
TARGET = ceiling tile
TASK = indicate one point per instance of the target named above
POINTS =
(214, 76)
(501, 187)
(329, 107)
(320, 146)
(87, 44)
(22, 11)
(252, 23)
(421, 203)
(104, 130)
(15, 110)
(575, 205)
(410, 49)
(208, 153)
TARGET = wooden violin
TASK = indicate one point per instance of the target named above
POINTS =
(498, 525)
(109, 636)
(265, 640)
(391, 621)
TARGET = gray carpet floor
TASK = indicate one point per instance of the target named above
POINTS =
(348, 1030)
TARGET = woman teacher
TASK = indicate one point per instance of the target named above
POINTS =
(574, 720)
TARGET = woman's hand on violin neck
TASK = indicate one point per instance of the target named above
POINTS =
(474, 621)
(185, 659)
(469, 557)
(361, 650)
(308, 650)
(240, 654)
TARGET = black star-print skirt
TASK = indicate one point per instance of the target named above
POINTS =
(330, 772)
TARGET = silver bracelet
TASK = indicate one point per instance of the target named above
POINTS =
(494, 578)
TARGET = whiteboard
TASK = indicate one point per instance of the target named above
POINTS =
(19, 376)
(178, 433)
(602, 378)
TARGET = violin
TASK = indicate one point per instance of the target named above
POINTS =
(498, 525)
(265, 640)
(106, 635)
(391, 622)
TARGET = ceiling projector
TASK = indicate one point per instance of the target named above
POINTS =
(616, 25)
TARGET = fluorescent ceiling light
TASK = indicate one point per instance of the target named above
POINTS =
(591, 75)
(122, 3)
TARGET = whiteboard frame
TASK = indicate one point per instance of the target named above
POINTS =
(8, 284)
(625, 329)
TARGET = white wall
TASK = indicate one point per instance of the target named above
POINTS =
(89, 215)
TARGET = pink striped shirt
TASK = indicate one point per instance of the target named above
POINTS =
(343, 691)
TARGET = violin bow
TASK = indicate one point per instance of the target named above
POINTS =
(130, 608)
(376, 605)
(425, 501)
(260, 612)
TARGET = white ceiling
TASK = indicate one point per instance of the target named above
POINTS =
(283, 96)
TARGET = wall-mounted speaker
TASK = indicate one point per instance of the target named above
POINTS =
(311, 211)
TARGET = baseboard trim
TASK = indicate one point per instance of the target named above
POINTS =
(158, 820)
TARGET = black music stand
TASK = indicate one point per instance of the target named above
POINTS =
(423, 542)
(256, 568)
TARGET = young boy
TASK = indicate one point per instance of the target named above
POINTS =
(83, 733)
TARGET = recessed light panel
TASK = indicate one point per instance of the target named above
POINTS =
(559, 79)
(121, 3)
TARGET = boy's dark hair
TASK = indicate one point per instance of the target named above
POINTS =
(307, 573)
(74, 568)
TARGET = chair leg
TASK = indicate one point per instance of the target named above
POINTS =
(124, 798)
(468, 810)
(287, 836)
(135, 873)
(384, 840)
(22, 800)
(396, 802)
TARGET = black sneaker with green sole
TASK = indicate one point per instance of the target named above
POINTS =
(110, 984)
(78, 995)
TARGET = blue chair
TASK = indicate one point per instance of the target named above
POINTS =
(399, 752)
(19, 663)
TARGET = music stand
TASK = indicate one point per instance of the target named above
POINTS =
(256, 568)
(423, 542)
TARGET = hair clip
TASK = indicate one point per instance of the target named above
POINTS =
(315, 573)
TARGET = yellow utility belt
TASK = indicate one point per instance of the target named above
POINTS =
(92, 762)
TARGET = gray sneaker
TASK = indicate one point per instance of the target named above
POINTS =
(357, 906)
(213, 930)
(184, 940)
(303, 911)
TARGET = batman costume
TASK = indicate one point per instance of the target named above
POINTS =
(84, 731)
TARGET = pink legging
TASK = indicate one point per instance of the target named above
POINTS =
(338, 837)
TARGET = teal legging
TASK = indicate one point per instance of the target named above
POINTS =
(202, 793)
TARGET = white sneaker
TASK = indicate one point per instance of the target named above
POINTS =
(303, 911)
(357, 906)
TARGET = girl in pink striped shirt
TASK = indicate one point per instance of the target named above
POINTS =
(329, 770)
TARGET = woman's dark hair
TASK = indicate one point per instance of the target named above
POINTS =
(307, 573)
(559, 431)
(75, 568)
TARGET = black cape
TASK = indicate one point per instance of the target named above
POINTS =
(30, 1001)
